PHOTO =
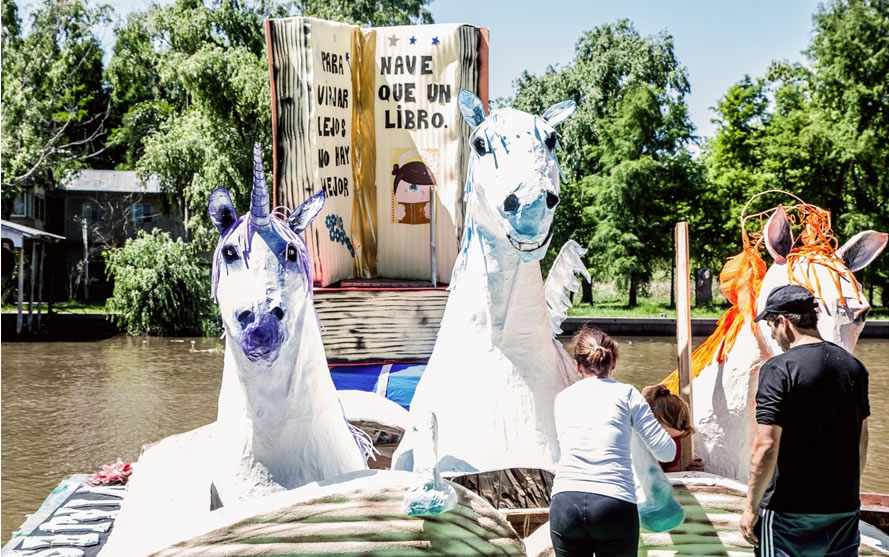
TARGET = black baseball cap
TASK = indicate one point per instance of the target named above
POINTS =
(790, 298)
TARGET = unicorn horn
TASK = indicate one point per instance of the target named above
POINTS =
(259, 199)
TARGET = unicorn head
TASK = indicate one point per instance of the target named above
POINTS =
(262, 279)
(825, 271)
(513, 186)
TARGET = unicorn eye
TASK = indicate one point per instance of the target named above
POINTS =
(479, 144)
(230, 254)
(550, 141)
(290, 253)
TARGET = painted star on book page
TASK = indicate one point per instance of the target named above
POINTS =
(435, 41)
(413, 40)
(393, 41)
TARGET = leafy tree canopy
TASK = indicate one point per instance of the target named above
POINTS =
(820, 132)
(373, 13)
(54, 100)
(160, 286)
(625, 150)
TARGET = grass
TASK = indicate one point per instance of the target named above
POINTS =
(72, 306)
(647, 307)
(660, 307)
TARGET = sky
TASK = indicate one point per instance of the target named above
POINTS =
(717, 41)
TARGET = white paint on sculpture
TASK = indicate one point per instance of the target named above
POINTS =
(280, 424)
(725, 394)
(495, 369)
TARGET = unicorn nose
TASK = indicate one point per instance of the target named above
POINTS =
(551, 200)
(511, 203)
(278, 312)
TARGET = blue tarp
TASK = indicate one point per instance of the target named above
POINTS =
(399, 383)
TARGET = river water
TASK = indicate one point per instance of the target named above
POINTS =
(69, 408)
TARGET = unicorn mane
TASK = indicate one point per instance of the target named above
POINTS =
(742, 276)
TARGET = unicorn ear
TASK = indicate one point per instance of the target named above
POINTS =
(558, 112)
(862, 248)
(778, 236)
(221, 210)
(303, 215)
(471, 108)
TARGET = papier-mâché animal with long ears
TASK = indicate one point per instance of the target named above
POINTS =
(496, 368)
(726, 366)
(280, 424)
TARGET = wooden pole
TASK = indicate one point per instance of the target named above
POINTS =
(432, 211)
(40, 284)
(33, 285)
(86, 260)
(18, 319)
(683, 333)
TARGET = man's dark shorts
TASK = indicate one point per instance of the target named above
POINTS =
(798, 534)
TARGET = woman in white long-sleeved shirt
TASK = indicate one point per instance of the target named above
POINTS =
(593, 508)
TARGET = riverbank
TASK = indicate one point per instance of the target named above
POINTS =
(83, 327)
(58, 327)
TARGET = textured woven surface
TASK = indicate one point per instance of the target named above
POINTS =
(365, 522)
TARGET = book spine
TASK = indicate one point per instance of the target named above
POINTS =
(364, 154)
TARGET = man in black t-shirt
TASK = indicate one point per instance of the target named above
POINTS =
(811, 403)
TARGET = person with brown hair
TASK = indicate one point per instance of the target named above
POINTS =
(593, 507)
(813, 393)
(674, 416)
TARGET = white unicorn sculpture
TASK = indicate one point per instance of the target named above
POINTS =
(492, 377)
(725, 389)
(496, 368)
(280, 424)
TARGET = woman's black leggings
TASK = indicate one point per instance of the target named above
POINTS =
(582, 524)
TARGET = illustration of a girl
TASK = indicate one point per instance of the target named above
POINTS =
(412, 192)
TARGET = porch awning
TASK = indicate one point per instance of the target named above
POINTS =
(17, 234)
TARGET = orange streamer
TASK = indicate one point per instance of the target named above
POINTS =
(739, 280)
(742, 275)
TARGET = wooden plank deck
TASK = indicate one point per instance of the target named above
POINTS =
(713, 508)
(379, 324)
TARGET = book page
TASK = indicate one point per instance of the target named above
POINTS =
(313, 100)
(420, 163)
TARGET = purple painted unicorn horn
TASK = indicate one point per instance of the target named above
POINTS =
(259, 198)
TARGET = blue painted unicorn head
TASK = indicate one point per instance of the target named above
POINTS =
(513, 187)
(262, 279)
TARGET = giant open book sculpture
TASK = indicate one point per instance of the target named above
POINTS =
(369, 115)
(726, 365)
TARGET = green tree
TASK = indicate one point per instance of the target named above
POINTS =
(624, 151)
(732, 160)
(850, 59)
(191, 95)
(374, 13)
(191, 87)
(54, 100)
(160, 286)
(820, 132)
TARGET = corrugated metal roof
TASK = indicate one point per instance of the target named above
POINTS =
(116, 181)
(16, 232)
